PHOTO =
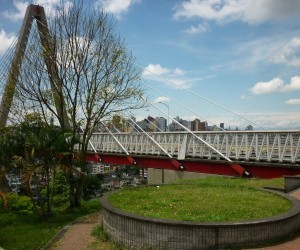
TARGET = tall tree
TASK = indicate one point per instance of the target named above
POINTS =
(97, 75)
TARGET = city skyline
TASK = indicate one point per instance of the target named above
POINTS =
(160, 124)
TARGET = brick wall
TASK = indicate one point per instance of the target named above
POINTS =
(138, 232)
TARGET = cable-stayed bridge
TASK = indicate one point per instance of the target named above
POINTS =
(263, 154)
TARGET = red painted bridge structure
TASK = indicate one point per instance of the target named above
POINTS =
(258, 154)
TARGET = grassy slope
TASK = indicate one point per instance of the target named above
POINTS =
(213, 199)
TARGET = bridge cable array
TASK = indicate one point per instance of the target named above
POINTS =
(191, 132)
(202, 97)
(185, 107)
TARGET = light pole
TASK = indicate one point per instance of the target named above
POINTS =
(168, 129)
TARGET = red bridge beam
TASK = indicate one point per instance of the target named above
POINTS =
(256, 169)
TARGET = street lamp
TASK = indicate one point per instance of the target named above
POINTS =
(168, 129)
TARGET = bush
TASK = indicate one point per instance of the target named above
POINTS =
(18, 204)
(100, 233)
(60, 190)
(91, 185)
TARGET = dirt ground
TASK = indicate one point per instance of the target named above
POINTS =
(77, 235)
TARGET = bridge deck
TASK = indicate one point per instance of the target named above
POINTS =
(249, 146)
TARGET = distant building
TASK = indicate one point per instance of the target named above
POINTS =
(161, 123)
(130, 124)
(144, 124)
(151, 124)
(148, 124)
(176, 127)
(249, 127)
(95, 168)
(213, 128)
(203, 126)
(197, 125)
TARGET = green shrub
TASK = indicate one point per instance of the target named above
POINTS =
(100, 233)
(91, 184)
(60, 190)
(18, 204)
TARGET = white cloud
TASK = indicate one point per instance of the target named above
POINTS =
(117, 7)
(5, 40)
(201, 28)
(181, 83)
(17, 14)
(49, 5)
(289, 53)
(155, 69)
(172, 77)
(276, 85)
(293, 102)
(249, 11)
(284, 120)
(161, 99)
(179, 72)
(20, 8)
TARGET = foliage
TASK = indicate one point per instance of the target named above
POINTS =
(32, 232)
(81, 74)
(59, 189)
(60, 194)
(91, 184)
(18, 204)
(100, 233)
(132, 170)
(37, 150)
(207, 199)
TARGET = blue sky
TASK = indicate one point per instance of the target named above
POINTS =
(243, 55)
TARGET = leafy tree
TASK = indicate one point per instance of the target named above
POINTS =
(88, 68)
(37, 150)
(91, 184)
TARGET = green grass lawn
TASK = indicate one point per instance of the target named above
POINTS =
(31, 232)
(213, 199)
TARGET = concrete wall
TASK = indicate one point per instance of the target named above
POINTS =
(291, 183)
(160, 176)
(138, 232)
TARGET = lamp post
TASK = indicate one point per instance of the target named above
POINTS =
(168, 129)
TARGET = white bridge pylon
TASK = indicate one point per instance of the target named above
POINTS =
(239, 146)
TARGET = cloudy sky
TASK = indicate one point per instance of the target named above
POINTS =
(210, 59)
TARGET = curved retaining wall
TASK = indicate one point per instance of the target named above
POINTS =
(139, 232)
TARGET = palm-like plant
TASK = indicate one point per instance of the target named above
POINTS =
(38, 151)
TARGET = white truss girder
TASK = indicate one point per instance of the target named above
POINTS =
(268, 146)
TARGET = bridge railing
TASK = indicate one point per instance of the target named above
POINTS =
(269, 146)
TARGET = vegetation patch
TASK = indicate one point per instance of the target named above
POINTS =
(212, 199)
(30, 231)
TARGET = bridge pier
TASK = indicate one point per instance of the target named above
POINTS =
(166, 176)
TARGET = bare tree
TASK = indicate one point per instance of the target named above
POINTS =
(91, 72)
